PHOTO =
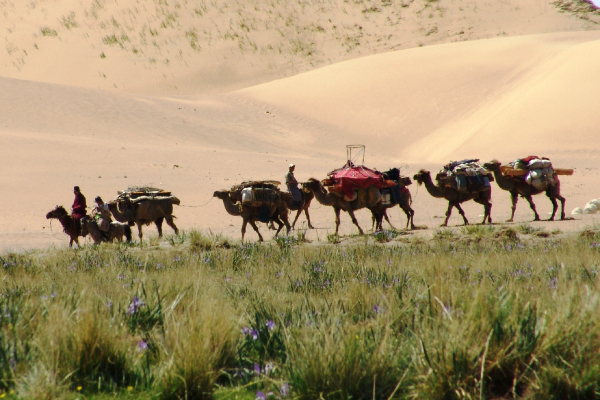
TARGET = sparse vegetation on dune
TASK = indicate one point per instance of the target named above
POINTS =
(477, 312)
(285, 37)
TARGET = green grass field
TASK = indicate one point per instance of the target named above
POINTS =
(473, 313)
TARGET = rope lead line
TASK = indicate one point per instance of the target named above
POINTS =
(202, 205)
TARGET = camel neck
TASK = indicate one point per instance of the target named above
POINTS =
(433, 189)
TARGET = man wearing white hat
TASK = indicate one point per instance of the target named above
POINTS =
(292, 184)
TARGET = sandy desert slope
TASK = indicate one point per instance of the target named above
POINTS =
(188, 47)
(502, 98)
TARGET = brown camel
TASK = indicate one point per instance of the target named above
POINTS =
(455, 197)
(517, 186)
(404, 204)
(116, 230)
(307, 198)
(144, 211)
(250, 214)
(70, 225)
(338, 203)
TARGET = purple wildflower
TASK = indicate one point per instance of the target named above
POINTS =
(109, 304)
(377, 309)
(246, 331)
(142, 345)
(270, 325)
(254, 334)
(256, 369)
(285, 389)
(260, 396)
(136, 303)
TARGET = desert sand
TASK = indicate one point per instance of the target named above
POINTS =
(194, 97)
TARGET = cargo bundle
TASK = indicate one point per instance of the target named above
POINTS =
(393, 194)
(466, 176)
(135, 192)
(536, 171)
(256, 193)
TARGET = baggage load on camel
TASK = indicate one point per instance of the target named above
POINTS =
(350, 178)
(134, 192)
(536, 171)
(392, 194)
(466, 176)
(256, 193)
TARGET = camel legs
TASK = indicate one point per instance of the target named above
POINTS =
(410, 213)
(296, 219)
(354, 221)
(452, 204)
(553, 194)
(530, 200)
(253, 225)
(169, 220)
(158, 222)
(487, 213)
(140, 235)
(514, 196)
(278, 221)
(308, 219)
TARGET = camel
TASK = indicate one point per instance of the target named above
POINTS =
(405, 205)
(116, 230)
(250, 214)
(455, 197)
(70, 225)
(307, 198)
(518, 187)
(338, 203)
(145, 210)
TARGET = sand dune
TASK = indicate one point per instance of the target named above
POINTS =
(494, 98)
(182, 47)
(419, 107)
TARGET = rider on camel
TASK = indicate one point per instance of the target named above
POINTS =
(292, 185)
(102, 216)
(79, 206)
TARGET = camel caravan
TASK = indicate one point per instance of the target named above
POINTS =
(350, 188)
(134, 206)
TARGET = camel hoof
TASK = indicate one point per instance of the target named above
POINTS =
(509, 220)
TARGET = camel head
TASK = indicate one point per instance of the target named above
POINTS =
(492, 165)
(58, 212)
(312, 184)
(421, 176)
(221, 194)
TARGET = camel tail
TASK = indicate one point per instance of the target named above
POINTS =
(175, 200)
(127, 232)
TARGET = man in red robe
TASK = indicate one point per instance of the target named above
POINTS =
(79, 205)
